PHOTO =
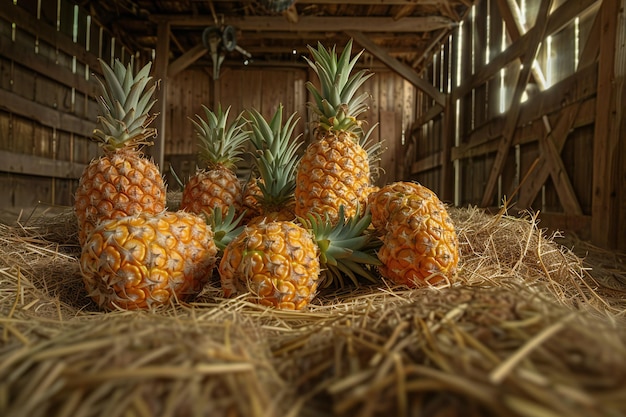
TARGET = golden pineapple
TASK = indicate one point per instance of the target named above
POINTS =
(276, 262)
(419, 242)
(275, 158)
(334, 169)
(123, 181)
(147, 260)
(281, 264)
(220, 146)
(251, 195)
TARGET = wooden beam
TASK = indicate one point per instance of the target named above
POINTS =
(45, 115)
(429, 162)
(569, 116)
(430, 114)
(611, 75)
(314, 23)
(185, 60)
(368, 2)
(160, 69)
(550, 155)
(486, 140)
(513, 111)
(18, 163)
(403, 70)
(560, 17)
(446, 188)
(558, 173)
(577, 88)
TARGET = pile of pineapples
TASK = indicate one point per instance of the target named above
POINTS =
(304, 221)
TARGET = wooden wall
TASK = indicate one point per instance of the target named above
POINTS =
(544, 134)
(391, 110)
(48, 53)
(534, 114)
(48, 57)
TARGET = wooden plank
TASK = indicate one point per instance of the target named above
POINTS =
(43, 66)
(529, 132)
(513, 112)
(370, 2)
(186, 59)
(427, 163)
(389, 134)
(559, 176)
(547, 164)
(18, 163)
(24, 20)
(402, 69)
(161, 64)
(569, 116)
(578, 224)
(314, 23)
(45, 115)
(560, 17)
(604, 221)
(430, 114)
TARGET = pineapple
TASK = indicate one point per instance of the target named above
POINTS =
(419, 242)
(282, 264)
(251, 195)
(220, 146)
(334, 169)
(147, 260)
(275, 158)
(276, 261)
(122, 182)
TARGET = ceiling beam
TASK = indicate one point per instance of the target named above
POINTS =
(368, 2)
(314, 24)
(403, 70)
(185, 60)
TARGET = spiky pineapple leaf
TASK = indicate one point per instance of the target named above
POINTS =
(346, 248)
(275, 155)
(220, 142)
(225, 227)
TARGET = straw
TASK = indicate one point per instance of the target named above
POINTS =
(534, 326)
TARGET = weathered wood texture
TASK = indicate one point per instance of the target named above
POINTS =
(47, 99)
(390, 113)
(539, 132)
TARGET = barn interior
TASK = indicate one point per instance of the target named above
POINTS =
(511, 111)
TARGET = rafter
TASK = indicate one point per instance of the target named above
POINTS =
(405, 71)
(315, 24)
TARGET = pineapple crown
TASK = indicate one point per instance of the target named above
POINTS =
(336, 102)
(346, 248)
(124, 104)
(220, 143)
(225, 226)
(275, 155)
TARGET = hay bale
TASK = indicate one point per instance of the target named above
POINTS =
(528, 330)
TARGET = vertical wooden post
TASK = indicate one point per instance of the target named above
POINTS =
(447, 167)
(604, 206)
(160, 74)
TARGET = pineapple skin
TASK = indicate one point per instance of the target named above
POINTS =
(210, 189)
(119, 184)
(420, 244)
(276, 262)
(251, 195)
(146, 260)
(333, 171)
